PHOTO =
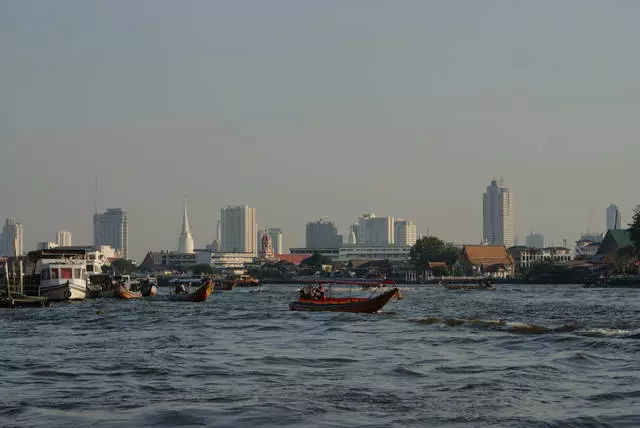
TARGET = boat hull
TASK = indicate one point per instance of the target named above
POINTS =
(200, 295)
(62, 292)
(470, 288)
(123, 293)
(370, 305)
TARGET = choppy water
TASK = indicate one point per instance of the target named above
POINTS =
(523, 356)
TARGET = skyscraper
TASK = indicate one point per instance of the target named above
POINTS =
(111, 228)
(63, 239)
(238, 229)
(375, 230)
(497, 204)
(614, 218)
(185, 241)
(322, 234)
(11, 239)
(406, 232)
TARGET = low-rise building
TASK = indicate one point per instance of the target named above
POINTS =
(346, 252)
(526, 257)
(485, 260)
(162, 260)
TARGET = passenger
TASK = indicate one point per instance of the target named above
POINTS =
(321, 293)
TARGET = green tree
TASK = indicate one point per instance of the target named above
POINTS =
(202, 269)
(316, 260)
(624, 259)
(432, 249)
(634, 228)
(122, 266)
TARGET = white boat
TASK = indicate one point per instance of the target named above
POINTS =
(59, 275)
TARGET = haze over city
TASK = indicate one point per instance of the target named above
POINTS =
(316, 109)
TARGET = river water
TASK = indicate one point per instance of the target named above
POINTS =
(522, 356)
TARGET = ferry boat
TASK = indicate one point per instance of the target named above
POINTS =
(59, 275)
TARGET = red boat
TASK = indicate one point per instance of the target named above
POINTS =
(200, 295)
(344, 304)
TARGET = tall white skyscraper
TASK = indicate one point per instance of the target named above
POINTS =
(111, 228)
(406, 232)
(185, 241)
(63, 239)
(11, 239)
(276, 240)
(614, 218)
(375, 230)
(238, 229)
(497, 206)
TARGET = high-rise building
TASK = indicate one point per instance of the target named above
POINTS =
(185, 241)
(238, 229)
(406, 232)
(497, 206)
(63, 239)
(276, 240)
(535, 240)
(111, 228)
(614, 218)
(322, 234)
(375, 230)
(11, 239)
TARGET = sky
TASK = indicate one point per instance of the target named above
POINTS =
(306, 109)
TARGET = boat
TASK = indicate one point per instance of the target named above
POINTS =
(226, 285)
(62, 274)
(245, 281)
(308, 302)
(199, 295)
(149, 287)
(124, 293)
(12, 287)
(108, 286)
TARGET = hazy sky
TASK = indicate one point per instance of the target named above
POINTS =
(304, 109)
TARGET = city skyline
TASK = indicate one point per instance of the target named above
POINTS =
(437, 99)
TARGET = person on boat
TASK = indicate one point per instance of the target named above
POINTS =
(321, 295)
(180, 289)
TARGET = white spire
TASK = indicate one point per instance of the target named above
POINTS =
(185, 242)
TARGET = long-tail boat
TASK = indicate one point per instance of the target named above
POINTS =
(485, 284)
(200, 295)
(373, 304)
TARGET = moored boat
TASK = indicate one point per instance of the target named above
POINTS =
(310, 301)
(485, 284)
(62, 275)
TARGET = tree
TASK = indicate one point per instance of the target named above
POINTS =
(122, 266)
(432, 249)
(202, 269)
(634, 228)
(624, 259)
(316, 260)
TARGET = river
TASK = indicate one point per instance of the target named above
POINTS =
(521, 356)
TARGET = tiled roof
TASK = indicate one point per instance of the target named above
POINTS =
(487, 255)
(296, 259)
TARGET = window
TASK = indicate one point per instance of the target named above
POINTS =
(54, 273)
(65, 273)
(89, 268)
(77, 273)
(44, 275)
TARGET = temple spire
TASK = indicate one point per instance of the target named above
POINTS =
(185, 242)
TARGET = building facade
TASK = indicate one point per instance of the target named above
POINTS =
(322, 234)
(535, 240)
(11, 239)
(238, 229)
(614, 218)
(375, 230)
(525, 257)
(63, 239)
(112, 228)
(406, 233)
(497, 206)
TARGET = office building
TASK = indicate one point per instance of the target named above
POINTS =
(111, 228)
(614, 218)
(11, 239)
(497, 206)
(535, 240)
(238, 229)
(375, 230)
(322, 234)
(406, 232)
(63, 239)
